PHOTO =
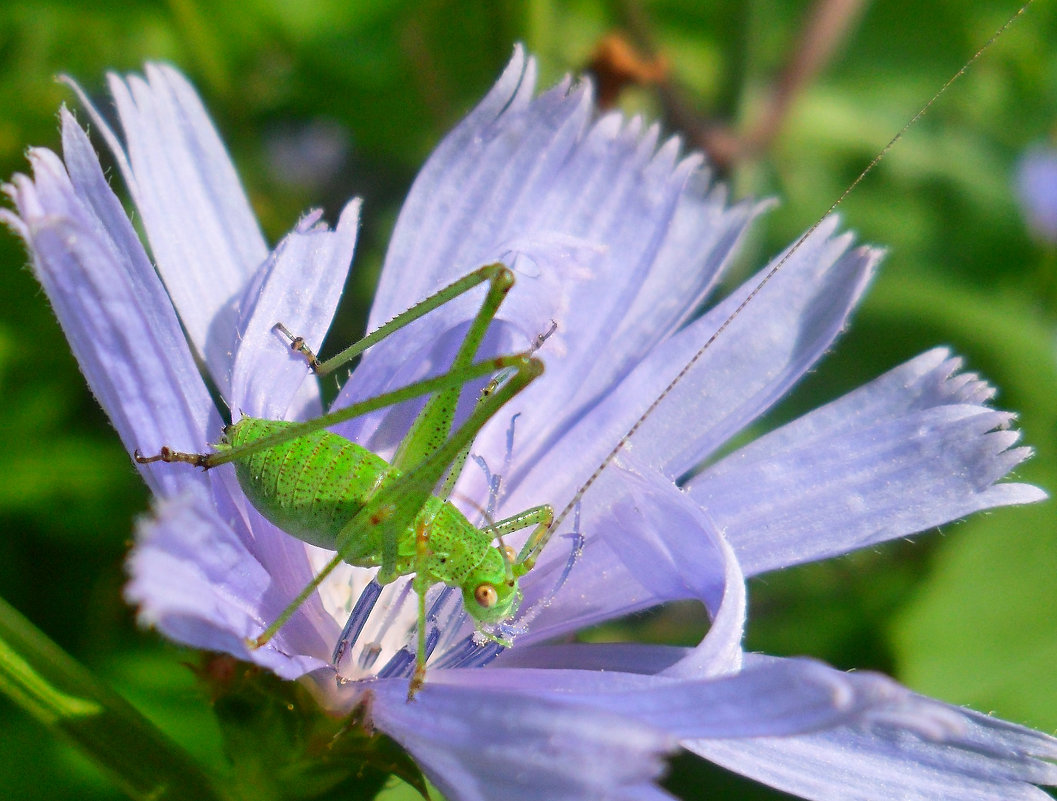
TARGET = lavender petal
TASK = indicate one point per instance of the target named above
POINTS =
(911, 450)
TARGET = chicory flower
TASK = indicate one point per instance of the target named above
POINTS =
(616, 240)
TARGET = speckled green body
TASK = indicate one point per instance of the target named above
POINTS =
(314, 485)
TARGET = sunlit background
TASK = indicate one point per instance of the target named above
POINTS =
(320, 100)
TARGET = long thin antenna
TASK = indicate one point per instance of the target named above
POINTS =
(774, 271)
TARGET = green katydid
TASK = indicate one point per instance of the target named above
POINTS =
(330, 492)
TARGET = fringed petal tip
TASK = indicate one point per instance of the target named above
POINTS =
(895, 744)
(915, 448)
(299, 286)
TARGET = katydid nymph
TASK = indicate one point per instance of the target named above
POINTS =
(330, 492)
(395, 516)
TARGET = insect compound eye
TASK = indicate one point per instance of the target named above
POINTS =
(485, 595)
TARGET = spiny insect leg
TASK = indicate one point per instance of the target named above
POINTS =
(433, 424)
(414, 390)
(496, 273)
(386, 399)
(535, 516)
(294, 605)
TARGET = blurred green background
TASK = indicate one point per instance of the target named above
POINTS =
(966, 614)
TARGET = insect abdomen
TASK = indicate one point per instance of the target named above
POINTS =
(310, 486)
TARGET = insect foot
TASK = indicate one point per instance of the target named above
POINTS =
(298, 344)
(417, 680)
(167, 454)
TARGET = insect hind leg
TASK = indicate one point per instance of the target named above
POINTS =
(497, 274)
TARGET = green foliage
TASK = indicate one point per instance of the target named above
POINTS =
(964, 616)
(61, 694)
(284, 749)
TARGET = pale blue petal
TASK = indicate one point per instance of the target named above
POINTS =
(605, 231)
(626, 657)
(796, 724)
(770, 698)
(701, 240)
(649, 544)
(202, 232)
(673, 547)
(766, 349)
(299, 286)
(911, 450)
(197, 581)
(916, 750)
(478, 743)
(111, 305)
(753, 362)
(413, 270)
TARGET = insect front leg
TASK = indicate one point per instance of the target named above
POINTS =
(542, 517)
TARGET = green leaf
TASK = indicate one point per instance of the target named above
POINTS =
(61, 693)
